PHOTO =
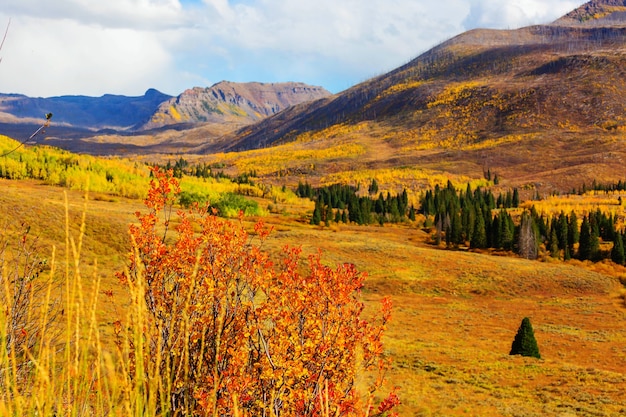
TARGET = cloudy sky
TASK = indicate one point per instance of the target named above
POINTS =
(93, 47)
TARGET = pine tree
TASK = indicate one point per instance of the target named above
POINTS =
(553, 244)
(507, 230)
(563, 231)
(515, 199)
(594, 245)
(617, 253)
(525, 343)
(573, 233)
(316, 219)
(328, 216)
(479, 237)
(496, 228)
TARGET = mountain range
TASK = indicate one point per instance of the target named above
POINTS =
(542, 104)
(224, 102)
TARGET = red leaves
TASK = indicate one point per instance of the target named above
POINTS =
(236, 333)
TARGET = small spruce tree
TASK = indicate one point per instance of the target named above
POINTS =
(525, 343)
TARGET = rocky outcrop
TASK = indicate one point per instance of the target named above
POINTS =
(233, 102)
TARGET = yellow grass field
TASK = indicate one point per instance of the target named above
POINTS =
(455, 312)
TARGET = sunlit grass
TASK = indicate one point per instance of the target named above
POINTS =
(277, 158)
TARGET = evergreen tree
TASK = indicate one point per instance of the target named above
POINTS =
(515, 198)
(573, 234)
(379, 205)
(412, 214)
(563, 231)
(354, 210)
(496, 228)
(373, 188)
(507, 231)
(468, 221)
(317, 215)
(479, 237)
(525, 343)
(328, 215)
(594, 245)
(455, 229)
(394, 210)
(617, 253)
(553, 244)
(403, 202)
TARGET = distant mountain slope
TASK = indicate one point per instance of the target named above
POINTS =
(597, 12)
(228, 101)
(95, 113)
(541, 105)
(481, 84)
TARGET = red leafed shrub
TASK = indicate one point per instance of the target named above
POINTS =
(231, 333)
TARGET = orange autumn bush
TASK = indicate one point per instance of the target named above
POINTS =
(231, 333)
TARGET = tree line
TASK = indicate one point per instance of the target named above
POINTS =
(182, 167)
(467, 218)
(342, 204)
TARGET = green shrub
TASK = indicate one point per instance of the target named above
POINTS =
(230, 204)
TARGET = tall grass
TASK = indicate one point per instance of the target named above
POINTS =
(68, 370)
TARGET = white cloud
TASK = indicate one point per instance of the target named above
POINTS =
(516, 13)
(66, 57)
(126, 46)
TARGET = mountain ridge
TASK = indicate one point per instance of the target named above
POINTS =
(483, 99)
(107, 111)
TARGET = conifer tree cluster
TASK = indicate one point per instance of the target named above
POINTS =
(597, 186)
(342, 203)
(466, 216)
(182, 167)
(596, 227)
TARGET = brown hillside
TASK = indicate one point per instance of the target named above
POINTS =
(542, 105)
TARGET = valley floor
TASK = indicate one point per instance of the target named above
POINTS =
(455, 312)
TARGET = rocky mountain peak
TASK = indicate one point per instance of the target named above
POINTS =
(229, 101)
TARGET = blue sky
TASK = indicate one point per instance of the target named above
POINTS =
(94, 47)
